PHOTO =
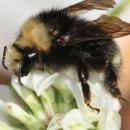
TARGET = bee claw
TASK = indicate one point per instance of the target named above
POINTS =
(93, 108)
(20, 82)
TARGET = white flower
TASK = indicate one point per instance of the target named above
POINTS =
(55, 102)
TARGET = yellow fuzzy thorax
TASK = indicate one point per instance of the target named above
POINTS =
(34, 34)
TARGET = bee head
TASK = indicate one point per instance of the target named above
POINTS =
(20, 60)
(26, 51)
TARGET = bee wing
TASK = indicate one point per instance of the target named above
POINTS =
(108, 26)
(114, 27)
(89, 5)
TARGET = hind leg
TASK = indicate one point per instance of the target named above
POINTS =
(83, 77)
(111, 81)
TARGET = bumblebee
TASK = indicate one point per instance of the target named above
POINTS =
(59, 39)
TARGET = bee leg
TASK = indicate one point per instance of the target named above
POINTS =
(83, 77)
(111, 81)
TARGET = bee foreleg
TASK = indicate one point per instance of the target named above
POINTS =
(83, 77)
(19, 75)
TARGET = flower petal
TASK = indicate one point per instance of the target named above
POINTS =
(32, 101)
(74, 120)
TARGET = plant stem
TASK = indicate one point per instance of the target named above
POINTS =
(120, 8)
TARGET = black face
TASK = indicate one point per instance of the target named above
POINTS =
(29, 58)
(28, 61)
